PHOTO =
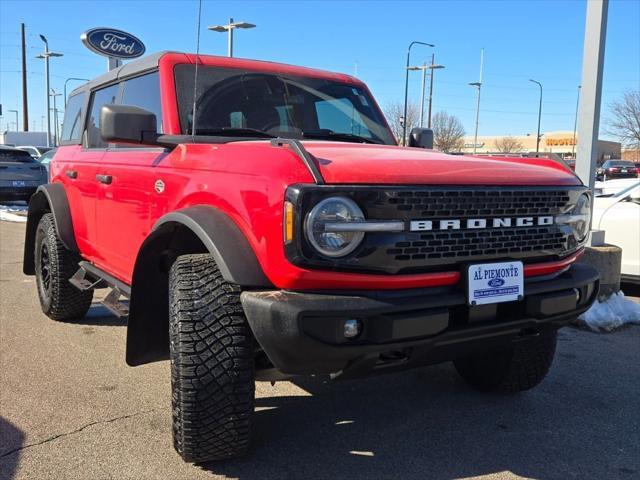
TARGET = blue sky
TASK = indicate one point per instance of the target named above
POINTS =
(522, 39)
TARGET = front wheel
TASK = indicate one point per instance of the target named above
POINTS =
(212, 371)
(518, 368)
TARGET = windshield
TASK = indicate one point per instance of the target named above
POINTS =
(234, 102)
(16, 156)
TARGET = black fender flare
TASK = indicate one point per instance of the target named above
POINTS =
(171, 236)
(225, 242)
(48, 198)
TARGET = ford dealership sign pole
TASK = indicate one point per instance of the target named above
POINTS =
(113, 44)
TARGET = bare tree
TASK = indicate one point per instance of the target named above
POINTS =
(448, 132)
(394, 113)
(508, 144)
(625, 124)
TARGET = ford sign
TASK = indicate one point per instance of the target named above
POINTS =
(110, 42)
(495, 282)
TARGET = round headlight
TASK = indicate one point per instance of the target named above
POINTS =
(580, 217)
(328, 241)
(583, 211)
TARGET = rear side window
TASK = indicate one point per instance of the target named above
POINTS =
(144, 92)
(72, 127)
(105, 96)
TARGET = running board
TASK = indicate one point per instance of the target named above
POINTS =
(90, 277)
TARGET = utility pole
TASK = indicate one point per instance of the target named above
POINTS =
(25, 106)
(432, 67)
(55, 117)
(478, 84)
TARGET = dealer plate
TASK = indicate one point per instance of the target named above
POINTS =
(495, 282)
(19, 183)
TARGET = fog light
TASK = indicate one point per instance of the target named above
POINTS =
(352, 328)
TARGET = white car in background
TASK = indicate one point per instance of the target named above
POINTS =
(619, 216)
(611, 187)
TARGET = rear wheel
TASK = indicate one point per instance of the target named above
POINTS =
(55, 265)
(212, 371)
(513, 370)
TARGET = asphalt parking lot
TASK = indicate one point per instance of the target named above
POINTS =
(70, 408)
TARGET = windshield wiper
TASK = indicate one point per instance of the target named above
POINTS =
(234, 132)
(348, 137)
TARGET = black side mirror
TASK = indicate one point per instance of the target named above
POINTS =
(421, 138)
(128, 124)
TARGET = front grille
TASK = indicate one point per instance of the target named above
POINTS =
(433, 250)
(463, 204)
(465, 244)
(469, 203)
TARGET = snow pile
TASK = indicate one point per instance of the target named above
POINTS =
(13, 213)
(612, 313)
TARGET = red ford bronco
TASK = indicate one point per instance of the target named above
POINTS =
(257, 221)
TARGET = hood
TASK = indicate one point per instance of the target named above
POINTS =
(355, 163)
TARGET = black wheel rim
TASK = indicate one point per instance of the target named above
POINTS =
(45, 269)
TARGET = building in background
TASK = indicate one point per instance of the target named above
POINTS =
(560, 143)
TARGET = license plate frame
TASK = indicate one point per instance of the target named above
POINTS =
(495, 282)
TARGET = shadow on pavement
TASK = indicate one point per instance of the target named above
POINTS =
(11, 439)
(428, 424)
(99, 315)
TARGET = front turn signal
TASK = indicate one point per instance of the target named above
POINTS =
(288, 222)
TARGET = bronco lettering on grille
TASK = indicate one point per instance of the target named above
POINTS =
(478, 223)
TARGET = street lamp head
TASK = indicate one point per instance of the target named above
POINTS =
(435, 67)
(44, 39)
(218, 28)
(242, 25)
(414, 68)
(55, 54)
(41, 56)
(476, 84)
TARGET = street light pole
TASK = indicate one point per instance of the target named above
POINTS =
(65, 86)
(406, 87)
(478, 84)
(46, 56)
(539, 117)
(575, 125)
(16, 112)
(229, 28)
(424, 67)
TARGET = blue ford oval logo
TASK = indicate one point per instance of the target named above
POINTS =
(110, 42)
(496, 282)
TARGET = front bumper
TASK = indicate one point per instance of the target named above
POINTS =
(301, 333)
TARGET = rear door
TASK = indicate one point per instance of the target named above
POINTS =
(126, 176)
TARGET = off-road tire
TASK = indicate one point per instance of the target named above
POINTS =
(55, 265)
(513, 370)
(212, 370)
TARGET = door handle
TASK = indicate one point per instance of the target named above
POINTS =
(106, 179)
(71, 174)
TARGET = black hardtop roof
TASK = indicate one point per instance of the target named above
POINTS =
(148, 62)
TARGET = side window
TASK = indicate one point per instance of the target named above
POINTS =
(144, 92)
(100, 98)
(72, 127)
